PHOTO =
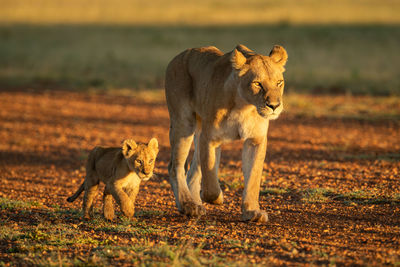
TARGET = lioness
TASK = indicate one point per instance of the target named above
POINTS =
(121, 170)
(216, 97)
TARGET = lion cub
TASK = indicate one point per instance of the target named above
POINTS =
(121, 170)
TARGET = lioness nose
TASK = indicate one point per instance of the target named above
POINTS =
(272, 105)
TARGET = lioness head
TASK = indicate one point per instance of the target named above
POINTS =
(260, 78)
(141, 157)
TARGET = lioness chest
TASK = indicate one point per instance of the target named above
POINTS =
(240, 123)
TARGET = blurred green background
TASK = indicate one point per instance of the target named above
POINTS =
(341, 46)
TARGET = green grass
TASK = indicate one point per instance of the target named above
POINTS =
(274, 191)
(72, 242)
(43, 245)
(343, 46)
(351, 107)
(391, 157)
(322, 58)
(317, 195)
(323, 195)
(9, 204)
(98, 242)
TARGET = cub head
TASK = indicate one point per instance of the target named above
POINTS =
(260, 78)
(141, 157)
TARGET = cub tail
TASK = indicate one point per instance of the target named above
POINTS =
(77, 193)
(90, 166)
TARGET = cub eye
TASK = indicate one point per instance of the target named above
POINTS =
(139, 162)
(279, 83)
(151, 161)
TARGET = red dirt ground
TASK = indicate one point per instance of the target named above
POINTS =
(45, 138)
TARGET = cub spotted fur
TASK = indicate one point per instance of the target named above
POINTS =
(121, 170)
(214, 97)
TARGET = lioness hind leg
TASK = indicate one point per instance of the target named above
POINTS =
(178, 92)
(210, 155)
(194, 174)
(108, 206)
(180, 146)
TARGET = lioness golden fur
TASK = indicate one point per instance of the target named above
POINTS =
(121, 170)
(214, 97)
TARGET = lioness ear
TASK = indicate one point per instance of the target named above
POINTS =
(244, 50)
(237, 59)
(128, 147)
(153, 144)
(278, 55)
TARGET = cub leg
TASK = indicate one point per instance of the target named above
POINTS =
(108, 206)
(210, 154)
(180, 146)
(252, 161)
(132, 193)
(91, 186)
(133, 190)
(122, 199)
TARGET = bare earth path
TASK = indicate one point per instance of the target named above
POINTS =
(330, 185)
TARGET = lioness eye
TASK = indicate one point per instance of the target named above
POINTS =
(138, 161)
(258, 84)
(279, 83)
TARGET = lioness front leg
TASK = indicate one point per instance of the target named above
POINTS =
(252, 161)
(210, 153)
(123, 200)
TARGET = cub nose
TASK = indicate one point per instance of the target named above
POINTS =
(272, 105)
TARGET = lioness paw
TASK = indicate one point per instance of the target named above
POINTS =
(255, 216)
(192, 209)
(213, 198)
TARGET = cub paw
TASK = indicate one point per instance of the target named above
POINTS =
(86, 216)
(255, 216)
(129, 213)
(192, 209)
(216, 199)
(128, 210)
(109, 215)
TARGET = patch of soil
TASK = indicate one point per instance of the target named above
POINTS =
(45, 139)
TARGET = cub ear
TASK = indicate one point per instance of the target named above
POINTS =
(128, 147)
(237, 59)
(279, 55)
(153, 144)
